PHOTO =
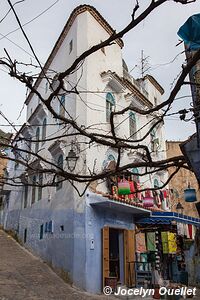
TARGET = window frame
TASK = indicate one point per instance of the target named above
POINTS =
(110, 105)
(44, 130)
(132, 125)
(37, 137)
(70, 46)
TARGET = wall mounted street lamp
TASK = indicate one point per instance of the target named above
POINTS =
(71, 160)
(179, 208)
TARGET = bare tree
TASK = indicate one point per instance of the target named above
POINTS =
(83, 137)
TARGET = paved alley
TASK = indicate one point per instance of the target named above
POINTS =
(23, 276)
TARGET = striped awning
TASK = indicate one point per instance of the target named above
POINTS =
(167, 218)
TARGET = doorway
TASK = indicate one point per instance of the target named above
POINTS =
(118, 255)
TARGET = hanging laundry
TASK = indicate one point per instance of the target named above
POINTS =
(148, 193)
(169, 242)
(140, 242)
(139, 194)
(190, 230)
(193, 232)
(186, 231)
(164, 238)
(180, 229)
(132, 190)
(161, 196)
(151, 241)
(172, 242)
(165, 195)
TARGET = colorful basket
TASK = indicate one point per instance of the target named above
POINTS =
(123, 188)
(148, 201)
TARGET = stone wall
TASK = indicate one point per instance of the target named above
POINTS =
(180, 182)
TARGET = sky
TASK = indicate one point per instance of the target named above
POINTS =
(156, 36)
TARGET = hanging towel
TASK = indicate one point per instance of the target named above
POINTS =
(151, 241)
(193, 232)
(180, 229)
(190, 230)
(139, 195)
(164, 238)
(187, 231)
(147, 193)
(140, 243)
(172, 242)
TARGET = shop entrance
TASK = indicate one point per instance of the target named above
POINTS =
(118, 256)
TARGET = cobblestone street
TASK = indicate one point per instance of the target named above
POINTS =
(23, 276)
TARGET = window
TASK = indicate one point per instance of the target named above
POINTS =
(44, 129)
(40, 181)
(70, 46)
(155, 101)
(62, 106)
(25, 195)
(154, 141)
(110, 104)
(37, 137)
(50, 226)
(33, 189)
(59, 178)
(25, 235)
(132, 125)
(46, 87)
(156, 183)
(41, 231)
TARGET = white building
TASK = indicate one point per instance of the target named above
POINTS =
(57, 224)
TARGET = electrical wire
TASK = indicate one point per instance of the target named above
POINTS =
(36, 17)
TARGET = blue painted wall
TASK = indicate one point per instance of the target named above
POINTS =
(70, 249)
(193, 266)
(97, 218)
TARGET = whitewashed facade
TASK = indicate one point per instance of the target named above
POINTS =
(57, 224)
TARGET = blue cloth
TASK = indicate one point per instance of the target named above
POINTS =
(190, 32)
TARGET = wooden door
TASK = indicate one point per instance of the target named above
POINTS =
(105, 240)
(129, 251)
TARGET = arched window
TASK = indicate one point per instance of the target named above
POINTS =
(59, 178)
(37, 137)
(132, 125)
(44, 129)
(156, 183)
(62, 106)
(110, 104)
(33, 189)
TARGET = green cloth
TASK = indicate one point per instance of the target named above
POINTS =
(151, 241)
(164, 237)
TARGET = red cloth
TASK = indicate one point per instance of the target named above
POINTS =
(132, 187)
(190, 230)
(147, 193)
(139, 195)
(164, 193)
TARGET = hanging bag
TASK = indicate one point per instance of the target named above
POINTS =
(123, 187)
